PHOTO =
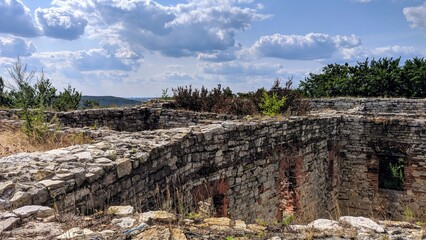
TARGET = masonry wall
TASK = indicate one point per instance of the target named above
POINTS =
(363, 141)
(242, 164)
(316, 166)
(130, 119)
(370, 105)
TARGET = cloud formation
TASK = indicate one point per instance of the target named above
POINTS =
(416, 16)
(13, 47)
(100, 59)
(311, 46)
(187, 29)
(16, 18)
(60, 23)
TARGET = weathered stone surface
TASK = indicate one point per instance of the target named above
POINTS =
(240, 225)
(155, 233)
(325, 225)
(124, 167)
(76, 233)
(8, 223)
(121, 210)
(125, 222)
(218, 221)
(362, 223)
(157, 216)
(34, 210)
(20, 198)
(177, 234)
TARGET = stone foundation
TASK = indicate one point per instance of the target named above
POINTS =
(316, 166)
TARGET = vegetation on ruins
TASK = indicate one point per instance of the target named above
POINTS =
(222, 100)
(34, 99)
(20, 92)
(385, 77)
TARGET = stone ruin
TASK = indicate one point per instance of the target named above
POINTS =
(335, 160)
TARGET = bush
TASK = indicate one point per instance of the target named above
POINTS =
(90, 104)
(67, 100)
(271, 105)
(376, 78)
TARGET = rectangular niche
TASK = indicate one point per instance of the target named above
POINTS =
(391, 172)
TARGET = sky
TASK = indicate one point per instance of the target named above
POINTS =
(132, 48)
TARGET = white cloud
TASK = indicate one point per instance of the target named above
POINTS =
(100, 59)
(311, 46)
(187, 29)
(217, 56)
(16, 18)
(241, 68)
(361, 53)
(416, 16)
(60, 23)
(13, 47)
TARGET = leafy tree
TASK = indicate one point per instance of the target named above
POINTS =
(67, 100)
(376, 78)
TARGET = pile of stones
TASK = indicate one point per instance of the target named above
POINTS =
(122, 222)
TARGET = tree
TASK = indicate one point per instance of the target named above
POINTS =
(376, 78)
(45, 93)
(22, 94)
(4, 100)
(67, 100)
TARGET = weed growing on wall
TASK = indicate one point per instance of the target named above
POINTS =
(270, 104)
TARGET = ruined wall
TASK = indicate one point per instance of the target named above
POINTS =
(243, 167)
(317, 165)
(364, 142)
(370, 105)
(129, 119)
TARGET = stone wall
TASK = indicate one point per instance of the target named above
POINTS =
(241, 166)
(129, 119)
(370, 105)
(364, 142)
(318, 165)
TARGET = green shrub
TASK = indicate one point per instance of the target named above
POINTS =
(271, 105)
(288, 220)
(67, 100)
(90, 104)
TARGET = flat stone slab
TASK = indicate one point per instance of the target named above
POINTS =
(8, 223)
(362, 223)
(325, 224)
(121, 210)
(158, 216)
(38, 211)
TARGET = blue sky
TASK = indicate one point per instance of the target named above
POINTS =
(139, 47)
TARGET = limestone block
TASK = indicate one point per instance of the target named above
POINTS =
(124, 167)
(222, 221)
(362, 223)
(8, 223)
(34, 210)
(158, 216)
(121, 210)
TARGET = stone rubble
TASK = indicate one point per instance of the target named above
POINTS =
(159, 225)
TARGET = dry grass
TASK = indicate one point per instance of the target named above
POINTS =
(13, 140)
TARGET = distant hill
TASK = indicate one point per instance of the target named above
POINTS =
(110, 101)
